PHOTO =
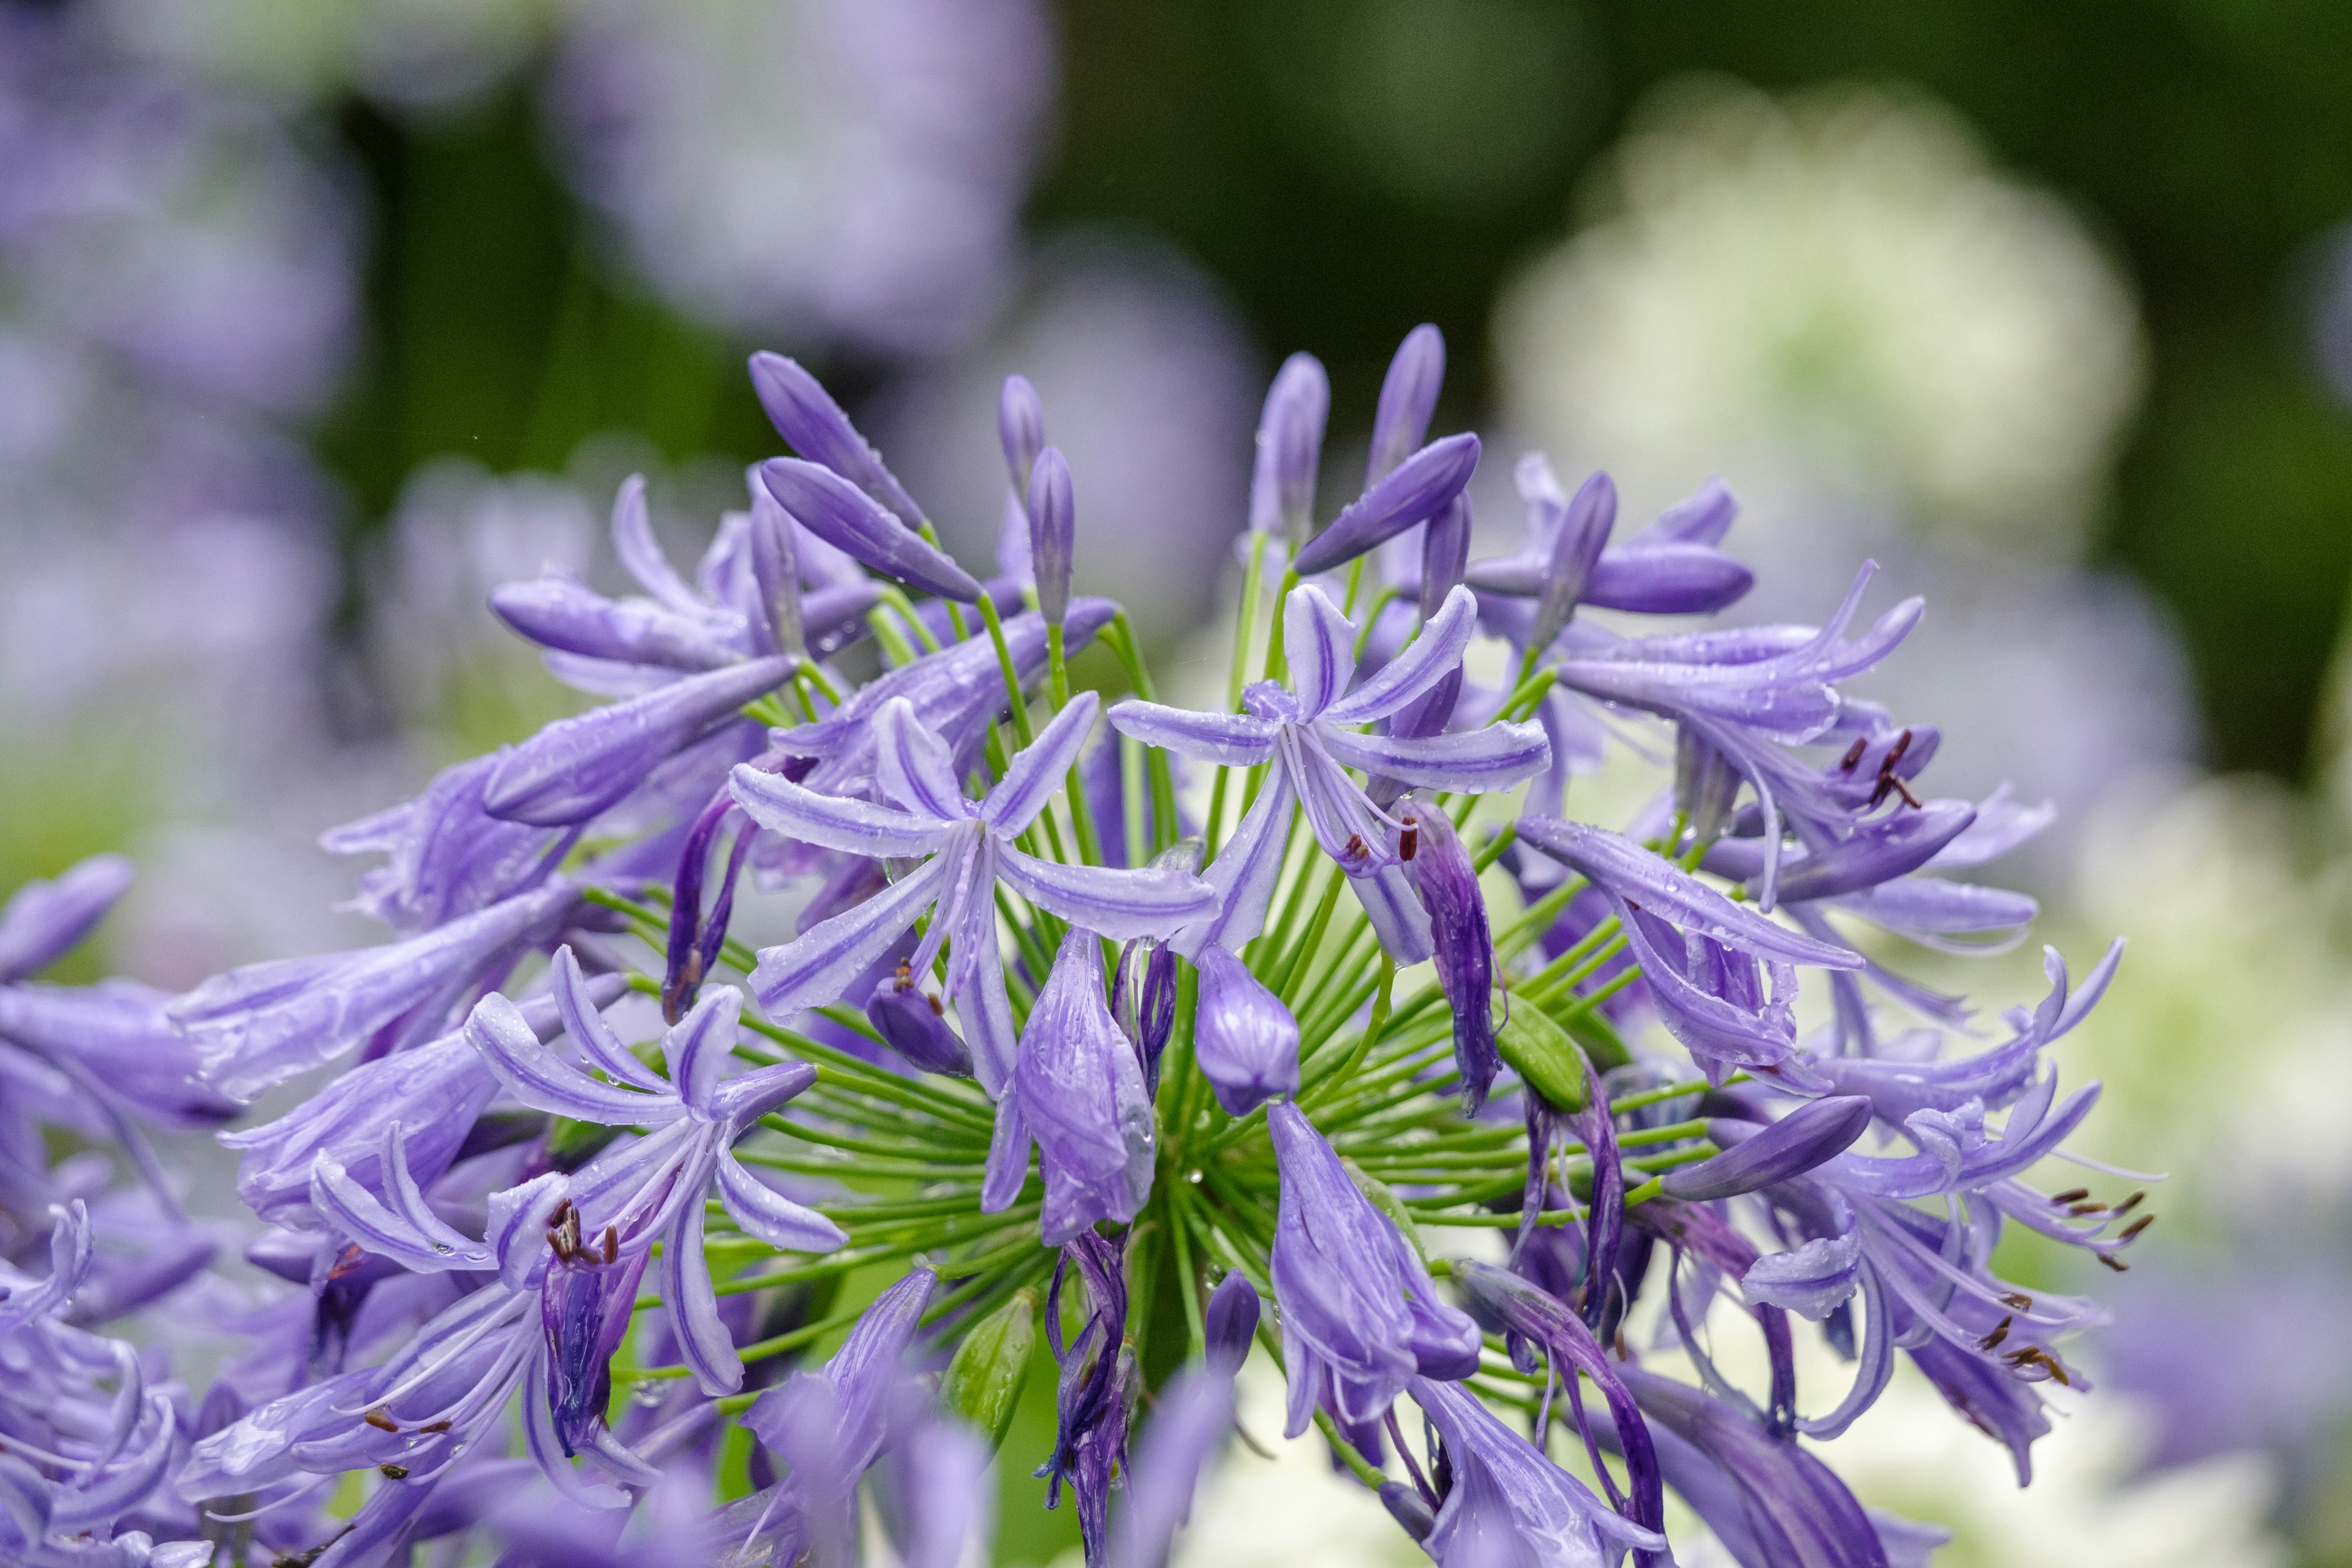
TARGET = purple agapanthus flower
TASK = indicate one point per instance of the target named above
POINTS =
(1306, 737)
(1244, 1038)
(1504, 1502)
(966, 849)
(1360, 1317)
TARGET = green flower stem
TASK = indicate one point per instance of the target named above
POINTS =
(1524, 698)
(853, 1073)
(759, 1351)
(1133, 795)
(1536, 919)
(1237, 676)
(813, 1165)
(897, 651)
(1552, 982)
(1188, 1281)
(1058, 668)
(1671, 1091)
(1492, 850)
(1360, 1467)
(986, 1292)
(1277, 668)
(1372, 618)
(1291, 978)
(1178, 1069)
(1163, 777)
(904, 608)
(854, 1212)
(887, 1149)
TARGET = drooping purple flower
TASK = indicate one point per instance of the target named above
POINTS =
(117, 1044)
(1290, 450)
(967, 849)
(654, 1185)
(579, 767)
(1505, 1505)
(1229, 1322)
(1053, 533)
(1190, 1420)
(1447, 881)
(1244, 1039)
(1097, 1385)
(264, 1023)
(910, 1022)
(44, 920)
(1076, 1091)
(1755, 1156)
(446, 855)
(853, 521)
(1703, 958)
(1020, 429)
(1306, 735)
(1417, 490)
(1360, 1317)
(1670, 568)
(585, 1300)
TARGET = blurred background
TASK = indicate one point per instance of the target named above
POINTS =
(319, 317)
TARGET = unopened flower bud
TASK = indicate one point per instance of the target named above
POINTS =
(983, 1384)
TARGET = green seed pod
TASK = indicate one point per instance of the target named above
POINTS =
(1543, 1055)
(983, 1383)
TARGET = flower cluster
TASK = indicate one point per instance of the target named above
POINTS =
(1178, 1034)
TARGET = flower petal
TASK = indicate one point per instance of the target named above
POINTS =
(1429, 658)
(834, 821)
(1118, 904)
(1416, 491)
(698, 1046)
(536, 1075)
(1039, 768)
(1496, 757)
(1244, 873)
(766, 1214)
(815, 967)
(576, 1006)
(912, 764)
(703, 1342)
(1234, 740)
(1320, 644)
(641, 552)
(852, 520)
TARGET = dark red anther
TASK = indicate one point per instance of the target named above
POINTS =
(393, 1472)
(2134, 1229)
(937, 1010)
(1355, 846)
(380, 1421)
(1409, 841)
(1853, 754)
(612, 1245)
(436, 1427)
(2071, 1195)
(2127, 1207)
(2019, 1299)
(2000, 1332)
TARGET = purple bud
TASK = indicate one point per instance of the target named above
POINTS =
(1583, 533)
(1408, 399)
(1021, 425)
(1878, 852)
(1289, 449)
(813, 425)
(1440, 869)
(910, 1022)
(580, 766)
(558, 612)
(776, 574)
(1445, 553)
(1760, 1156)
(854, 522)
(584, 1306)
(44, 920)
(1244, 1038)
(1231, 1322)
(1418, 490)
(1409, 1508)
(1667, 580)
(1053, 531)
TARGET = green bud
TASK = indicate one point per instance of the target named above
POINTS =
(1543, 1055)
(983, 1383)
(1385, 1201)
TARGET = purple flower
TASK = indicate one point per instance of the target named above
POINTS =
(1098, 1384)
(1191, 1419)
(1306, 735)
(1754, 1157)
(1360, 1317)
(1670, 568)
(966, 849)
(813, 426)
(854, 522)
(448, 857)
(1408, 401)
(44, 920)
(656, 1184)
(910, 1022)
(1703, 958)
(1244, 1038)
(1443, 876)
(264, 1023)
(1506, 1504)
(577, 768)
(1076, 1091)
(1231, 1322)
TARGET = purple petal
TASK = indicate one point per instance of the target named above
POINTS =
(1020, 428)
(1039, 768)
(578, 767)
(641, 553)
(831, 822)
(1052, 531)
(813, 969)
(697, 1047)
(1421, 486)
(517, 1233)
(1472, 761)
(976, 976)
(1429, 658)
(911, 1023)
(354, 1211)
(558, 613)
(1081, 1096)
(1667, 580)
(1320, 644)
(1118, 904)
(848, 517)
(703, 1342)
(1397, 915)
(1243, 874)
(44, 920)
(1756, 1157)
(1703, 519)
(537, 1077)
(1232, 740)
(744, 1099)
(1878, 852)
(576, 1008)
(767, 1214)
(913, 767)
(1811, 1280)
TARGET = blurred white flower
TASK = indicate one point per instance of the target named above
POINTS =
(814, 170)
(1150, 390)
(414, 52)
(1840, 285)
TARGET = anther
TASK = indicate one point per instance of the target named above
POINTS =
(2117, 1264)
(1355, 846)
(1853, 754)
(2134, 1229)
(436, 1427)
(937, 1010)
(380, 1421)
(395, 1472)
(1409, 841)
(2019, 1299)
(2091, 1207)
(2000, 1332)
(2129, 1204)
(611, 1244)
(2071, 1195)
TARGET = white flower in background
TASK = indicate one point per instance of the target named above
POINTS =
(419, 53)
(1151, 391)
(1838, 283)
(812, 170)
